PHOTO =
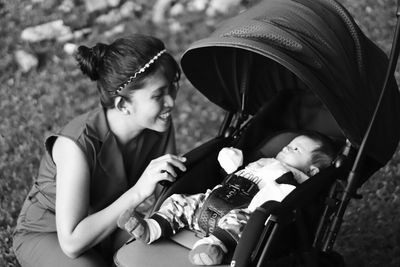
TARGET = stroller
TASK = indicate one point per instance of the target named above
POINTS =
(280, 67)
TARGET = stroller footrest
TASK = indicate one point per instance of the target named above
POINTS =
(185, 238)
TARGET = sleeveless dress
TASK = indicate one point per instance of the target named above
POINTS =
(109, 177)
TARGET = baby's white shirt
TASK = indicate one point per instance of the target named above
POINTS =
(263, 172)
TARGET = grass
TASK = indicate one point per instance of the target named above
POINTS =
(35, 103)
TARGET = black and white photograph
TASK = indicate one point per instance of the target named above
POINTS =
(178, 133)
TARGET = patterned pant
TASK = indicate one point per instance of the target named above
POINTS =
(180, 211)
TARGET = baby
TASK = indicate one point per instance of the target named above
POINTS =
(237, 197)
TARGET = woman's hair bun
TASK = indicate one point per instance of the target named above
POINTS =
(90, 59)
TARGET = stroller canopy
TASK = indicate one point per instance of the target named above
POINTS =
(307, 43)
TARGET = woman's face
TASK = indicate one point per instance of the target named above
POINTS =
(151, 105)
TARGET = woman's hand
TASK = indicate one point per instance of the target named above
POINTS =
(159, 169)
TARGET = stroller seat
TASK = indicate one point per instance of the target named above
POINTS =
(137, 253)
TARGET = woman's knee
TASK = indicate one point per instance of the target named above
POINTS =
(43, 249)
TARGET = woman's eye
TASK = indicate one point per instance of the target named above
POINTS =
(158, 96)
(170, 90)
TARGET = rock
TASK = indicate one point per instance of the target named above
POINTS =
(75, 35)
(66, 6)
(114, 16)
(115, 30)
(70, 48)
(94, 5)
(128, 8)
(197, 5)
(51, 30)
(25, 60)
(177, 10)
(221, 6)
(110, 18)
(113, 3)
(160, 9)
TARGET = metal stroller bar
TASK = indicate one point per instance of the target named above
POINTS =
(353, 175)
(223, 131)
(225, 124)
(244, 85)
(235, 74)
(332, 203)
(241, 118)
(272, 232)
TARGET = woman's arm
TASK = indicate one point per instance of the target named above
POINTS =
(77, 230)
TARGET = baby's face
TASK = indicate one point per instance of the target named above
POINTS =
(298, 153)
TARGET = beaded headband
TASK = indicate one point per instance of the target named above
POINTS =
(141, 70)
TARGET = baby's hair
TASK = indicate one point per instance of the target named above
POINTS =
(114, 64)
(322, 156)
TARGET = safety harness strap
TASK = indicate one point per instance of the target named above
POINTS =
(236, 192)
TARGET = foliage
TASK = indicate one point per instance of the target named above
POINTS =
(35, 103)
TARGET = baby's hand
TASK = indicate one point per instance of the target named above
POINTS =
(230, 159)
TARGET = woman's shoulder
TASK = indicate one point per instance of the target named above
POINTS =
(92, 123)
(81, 129)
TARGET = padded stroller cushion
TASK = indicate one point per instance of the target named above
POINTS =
(306, 192)
(270, 146)
(252, 233)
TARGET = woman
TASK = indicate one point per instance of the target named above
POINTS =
(105, 161)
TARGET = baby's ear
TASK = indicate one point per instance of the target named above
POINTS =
(313, 170)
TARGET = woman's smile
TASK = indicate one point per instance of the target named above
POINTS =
(165, 115)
